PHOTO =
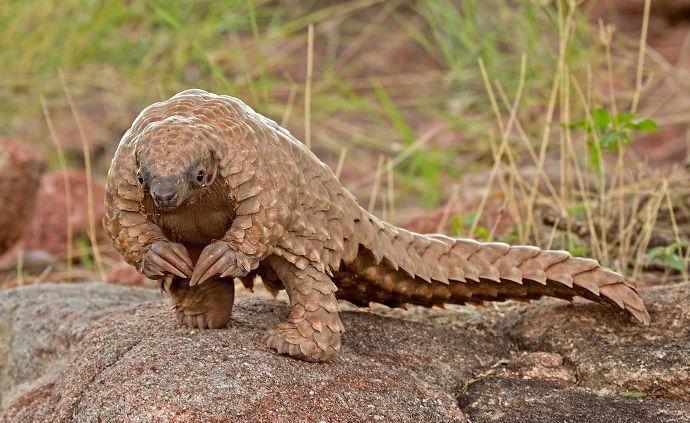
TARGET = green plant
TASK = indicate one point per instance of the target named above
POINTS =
(573, 248)
(607, 132)
(84, 252)
(460, 224)
(671, 256)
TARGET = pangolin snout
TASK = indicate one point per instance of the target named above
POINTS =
(165, 197)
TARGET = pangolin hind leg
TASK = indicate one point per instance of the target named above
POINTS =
(313, 329)
(208, 305)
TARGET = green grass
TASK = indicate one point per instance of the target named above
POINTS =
(141, 51)
(386, 75)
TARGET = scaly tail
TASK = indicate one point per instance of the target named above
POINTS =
(435, 269)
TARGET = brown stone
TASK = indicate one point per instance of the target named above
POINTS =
(21, 167)
(48, 229)
(94, 352)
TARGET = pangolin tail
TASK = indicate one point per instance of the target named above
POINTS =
(467, 271)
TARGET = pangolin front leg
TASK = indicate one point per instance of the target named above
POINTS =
(313, 329)
(205, 306)
(140, 241)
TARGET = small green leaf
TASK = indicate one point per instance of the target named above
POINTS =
(675, 262)
(573, 248)
(670, 255)
(579, 124)
(594, 154)
(624, 119)
(482, 233)
(612, 141)
(601, 118)
(456, 225)
(84, 250)
(645, 125)
(468, 219)
(608, 133)
(577, 210)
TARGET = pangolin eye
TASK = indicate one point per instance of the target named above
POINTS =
(200, 176)
(140, 179)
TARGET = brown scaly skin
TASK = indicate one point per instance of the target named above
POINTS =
(203, 189)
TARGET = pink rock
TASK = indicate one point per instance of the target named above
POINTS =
(48, 229)
(97, 352)
(125, 274)
(21, 167)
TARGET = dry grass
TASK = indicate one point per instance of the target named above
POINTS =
(405, 100)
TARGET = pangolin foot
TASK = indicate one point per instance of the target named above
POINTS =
(206, 306)
(299, 340)
(208, 320)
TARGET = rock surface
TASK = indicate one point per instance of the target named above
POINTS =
(94, 352)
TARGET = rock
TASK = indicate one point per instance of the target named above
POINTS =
(21, 167)
(122, 273)
(89, 352)
(607, 353)
(45, 236)
(39, 325)
(503, 399)
(48, 229)
(94, 352)
(583, 363)
(539, 365)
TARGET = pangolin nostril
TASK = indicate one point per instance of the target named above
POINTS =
(165, 196)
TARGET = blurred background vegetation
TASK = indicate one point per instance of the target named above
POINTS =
(560, 123)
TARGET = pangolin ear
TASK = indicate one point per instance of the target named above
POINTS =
(215, 160)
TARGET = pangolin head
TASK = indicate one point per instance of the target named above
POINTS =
(175, 160)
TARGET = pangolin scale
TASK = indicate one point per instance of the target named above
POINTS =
(203, 190)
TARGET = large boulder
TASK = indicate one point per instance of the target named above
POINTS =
(584, 363)
(102, 353)
(94, 352)
(609, 355)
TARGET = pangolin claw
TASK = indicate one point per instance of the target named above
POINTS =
(165, 257)
(216, 259)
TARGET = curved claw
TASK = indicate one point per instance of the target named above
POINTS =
(214, 259)
(167, 257)
(182, 259)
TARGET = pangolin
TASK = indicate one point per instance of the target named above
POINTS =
(203, 190)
